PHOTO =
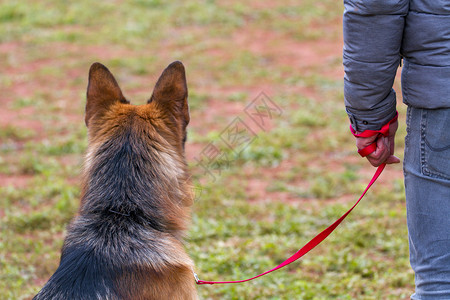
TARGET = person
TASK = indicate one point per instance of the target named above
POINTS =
(378, 35)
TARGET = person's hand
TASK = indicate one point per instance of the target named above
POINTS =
(384, 152)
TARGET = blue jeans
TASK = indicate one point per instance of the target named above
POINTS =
(427, 185)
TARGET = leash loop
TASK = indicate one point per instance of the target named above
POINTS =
(369, 133)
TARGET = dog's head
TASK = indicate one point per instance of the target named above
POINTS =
(166, 112)
(138, 144)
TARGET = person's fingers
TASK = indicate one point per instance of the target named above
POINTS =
(362, 143)
(381, 154)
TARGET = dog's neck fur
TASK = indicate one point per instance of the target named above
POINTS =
(124, 178)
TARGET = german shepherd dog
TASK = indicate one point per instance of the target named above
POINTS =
(127, 240)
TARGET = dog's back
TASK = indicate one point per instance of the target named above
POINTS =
(119, 262)
(126, 242)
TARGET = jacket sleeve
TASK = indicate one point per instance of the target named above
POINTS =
(373, 32)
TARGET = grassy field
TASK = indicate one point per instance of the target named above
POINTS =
(259, 198)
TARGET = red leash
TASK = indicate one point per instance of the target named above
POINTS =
(325, 233)
(311, 244)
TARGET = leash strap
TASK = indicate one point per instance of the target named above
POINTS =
(311, 244)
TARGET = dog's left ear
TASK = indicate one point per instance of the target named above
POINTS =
(102, 91)
(170, 93)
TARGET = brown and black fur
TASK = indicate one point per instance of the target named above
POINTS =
(126, 242)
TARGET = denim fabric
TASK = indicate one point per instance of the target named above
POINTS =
(427, 185)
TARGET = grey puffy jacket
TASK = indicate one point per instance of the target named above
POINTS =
(376, 35)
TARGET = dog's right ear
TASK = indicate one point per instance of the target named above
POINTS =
(102, 91)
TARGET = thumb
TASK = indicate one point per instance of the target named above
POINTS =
(392, 160)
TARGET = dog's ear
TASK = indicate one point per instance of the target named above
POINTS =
(102, 91)
(170, 93)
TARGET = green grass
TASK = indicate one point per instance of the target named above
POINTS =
(262, 204)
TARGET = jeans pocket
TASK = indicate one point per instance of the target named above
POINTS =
(435, 143)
